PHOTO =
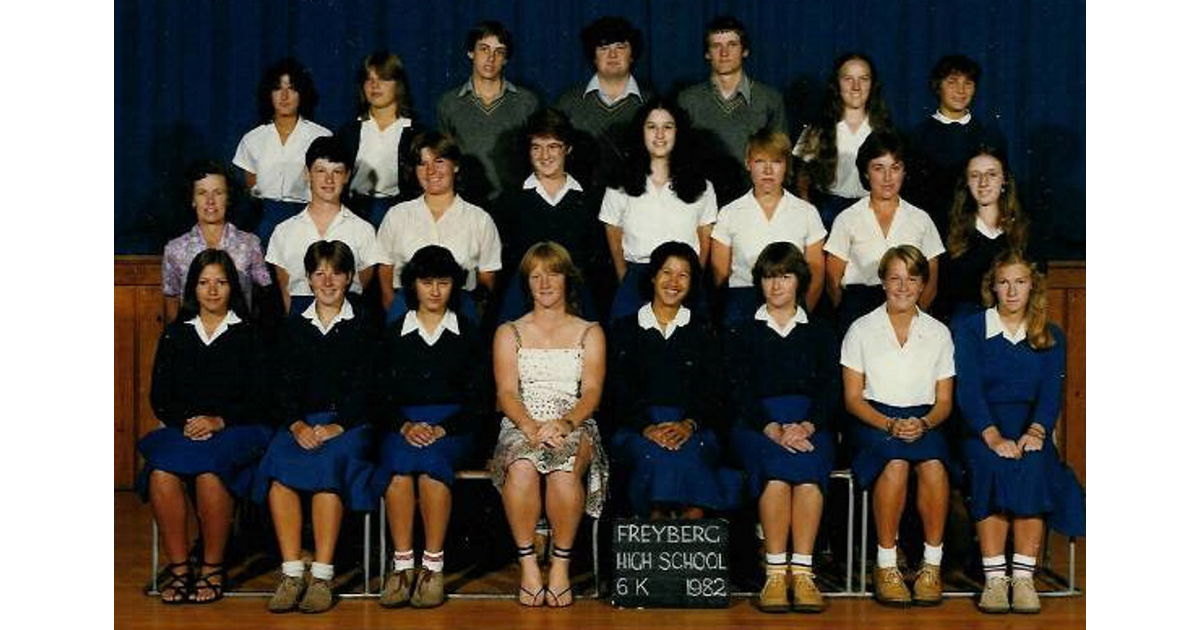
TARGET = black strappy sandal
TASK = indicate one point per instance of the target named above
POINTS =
(526, 597)
(204, 581)
(560, 554)
(180, 584)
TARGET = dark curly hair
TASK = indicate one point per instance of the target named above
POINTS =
(301, 81)
(687, 175)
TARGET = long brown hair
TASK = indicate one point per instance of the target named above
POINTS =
(963, 209)
(823, 140)
(1037, 329)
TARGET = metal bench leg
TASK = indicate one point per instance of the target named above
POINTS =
(850, 534)
(862, 550)
(153, 588)
(366, 559)
(383, 567)
(596, 554)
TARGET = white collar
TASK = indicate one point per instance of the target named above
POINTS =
(230, 319)
(346, 313)
(533, 182)
(400, 123)
(983, 229)
(799, 318)
(742, 87)
(946, 120)
(469, 87)
(631, 87)
(993, 326)
(449, 322)
(342, 213)
(647, 320)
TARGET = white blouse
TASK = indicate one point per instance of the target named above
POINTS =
(656, 217)
(900, 376)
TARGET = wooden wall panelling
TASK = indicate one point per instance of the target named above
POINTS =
(124, 394)
(1074, 399)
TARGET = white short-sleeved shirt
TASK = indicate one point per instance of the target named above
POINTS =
(857, 238)
(278, 167)
(375, 173)
(846, 182)
(656, 217)
(900, 376)
(744, 228)
(465, 229)
(291, 239)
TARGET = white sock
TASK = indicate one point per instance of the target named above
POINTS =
(322, 571)
(885, 558)
(293, 568)
(776, 562)
(433, 560)
(1023, 566)
(933, 555)
(994, 566)
(802, 562)
(402, 560)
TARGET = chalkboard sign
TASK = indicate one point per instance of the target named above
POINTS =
(670, 563)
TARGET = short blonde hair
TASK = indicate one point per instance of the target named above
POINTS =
(914, 261)
(557, 259)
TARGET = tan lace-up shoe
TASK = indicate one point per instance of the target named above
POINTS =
(774, 595)
(318, 597)
(927, 588)
(994, 598)
(1025, 597)
(430, 589)
(287, 595)
(806, 597)
(397, 589)
(890, 589)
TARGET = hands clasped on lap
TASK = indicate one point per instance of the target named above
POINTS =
(670, 435)
(310, 437)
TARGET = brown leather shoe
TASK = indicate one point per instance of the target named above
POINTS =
(927, 587)
(397, 589)
(430, 589)
(806, 597)
(774, 595)
(994, 599)
(318, 597)
(1024, 596)
(287, 595)
(890, 589)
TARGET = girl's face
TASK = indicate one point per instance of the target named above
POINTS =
(433, 294)
(380, 93)
(766, 172)
(548, 287)
(210, 199)
(672, 282)
(854, 83)
(285, 98)
(985, 179)
(212, 290)
(1012, 287)
(659, 133)
(328, 285)
(902, 289)
(779, 292)
(436, 173)
(955, 93)
(885, 175)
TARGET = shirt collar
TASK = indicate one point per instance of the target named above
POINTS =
(347, 313)
(946, 120)
(647, 320)
(799, 318)
(449, 322)
(743, 87)
(533, 182)
(469, 87)
(230, 319)
(631, 87)
(342, 213)
(993, 326)
(226, 232)
(983, 229)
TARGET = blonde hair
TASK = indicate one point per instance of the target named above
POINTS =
(557, 259)
(774, 144)
(914, 261)
(1037, 329)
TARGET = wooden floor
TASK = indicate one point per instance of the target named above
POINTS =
(135, 611)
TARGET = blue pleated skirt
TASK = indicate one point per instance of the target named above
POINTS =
(874, 448)
(690, 476)
(231, 454)
(339, 466)
(439, 460)
(764, 460)
(1038, 484)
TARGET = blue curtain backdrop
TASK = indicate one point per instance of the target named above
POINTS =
(186, 71)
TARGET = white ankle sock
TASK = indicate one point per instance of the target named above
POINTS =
(885, 558)
(802, 562)
(322, 571)
(933, 555)
(433, 560)
(1023, 566)
(293, 568)
(994, 566)
(402, 560)
(776, 562)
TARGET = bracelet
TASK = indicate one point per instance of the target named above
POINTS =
(691, 424)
